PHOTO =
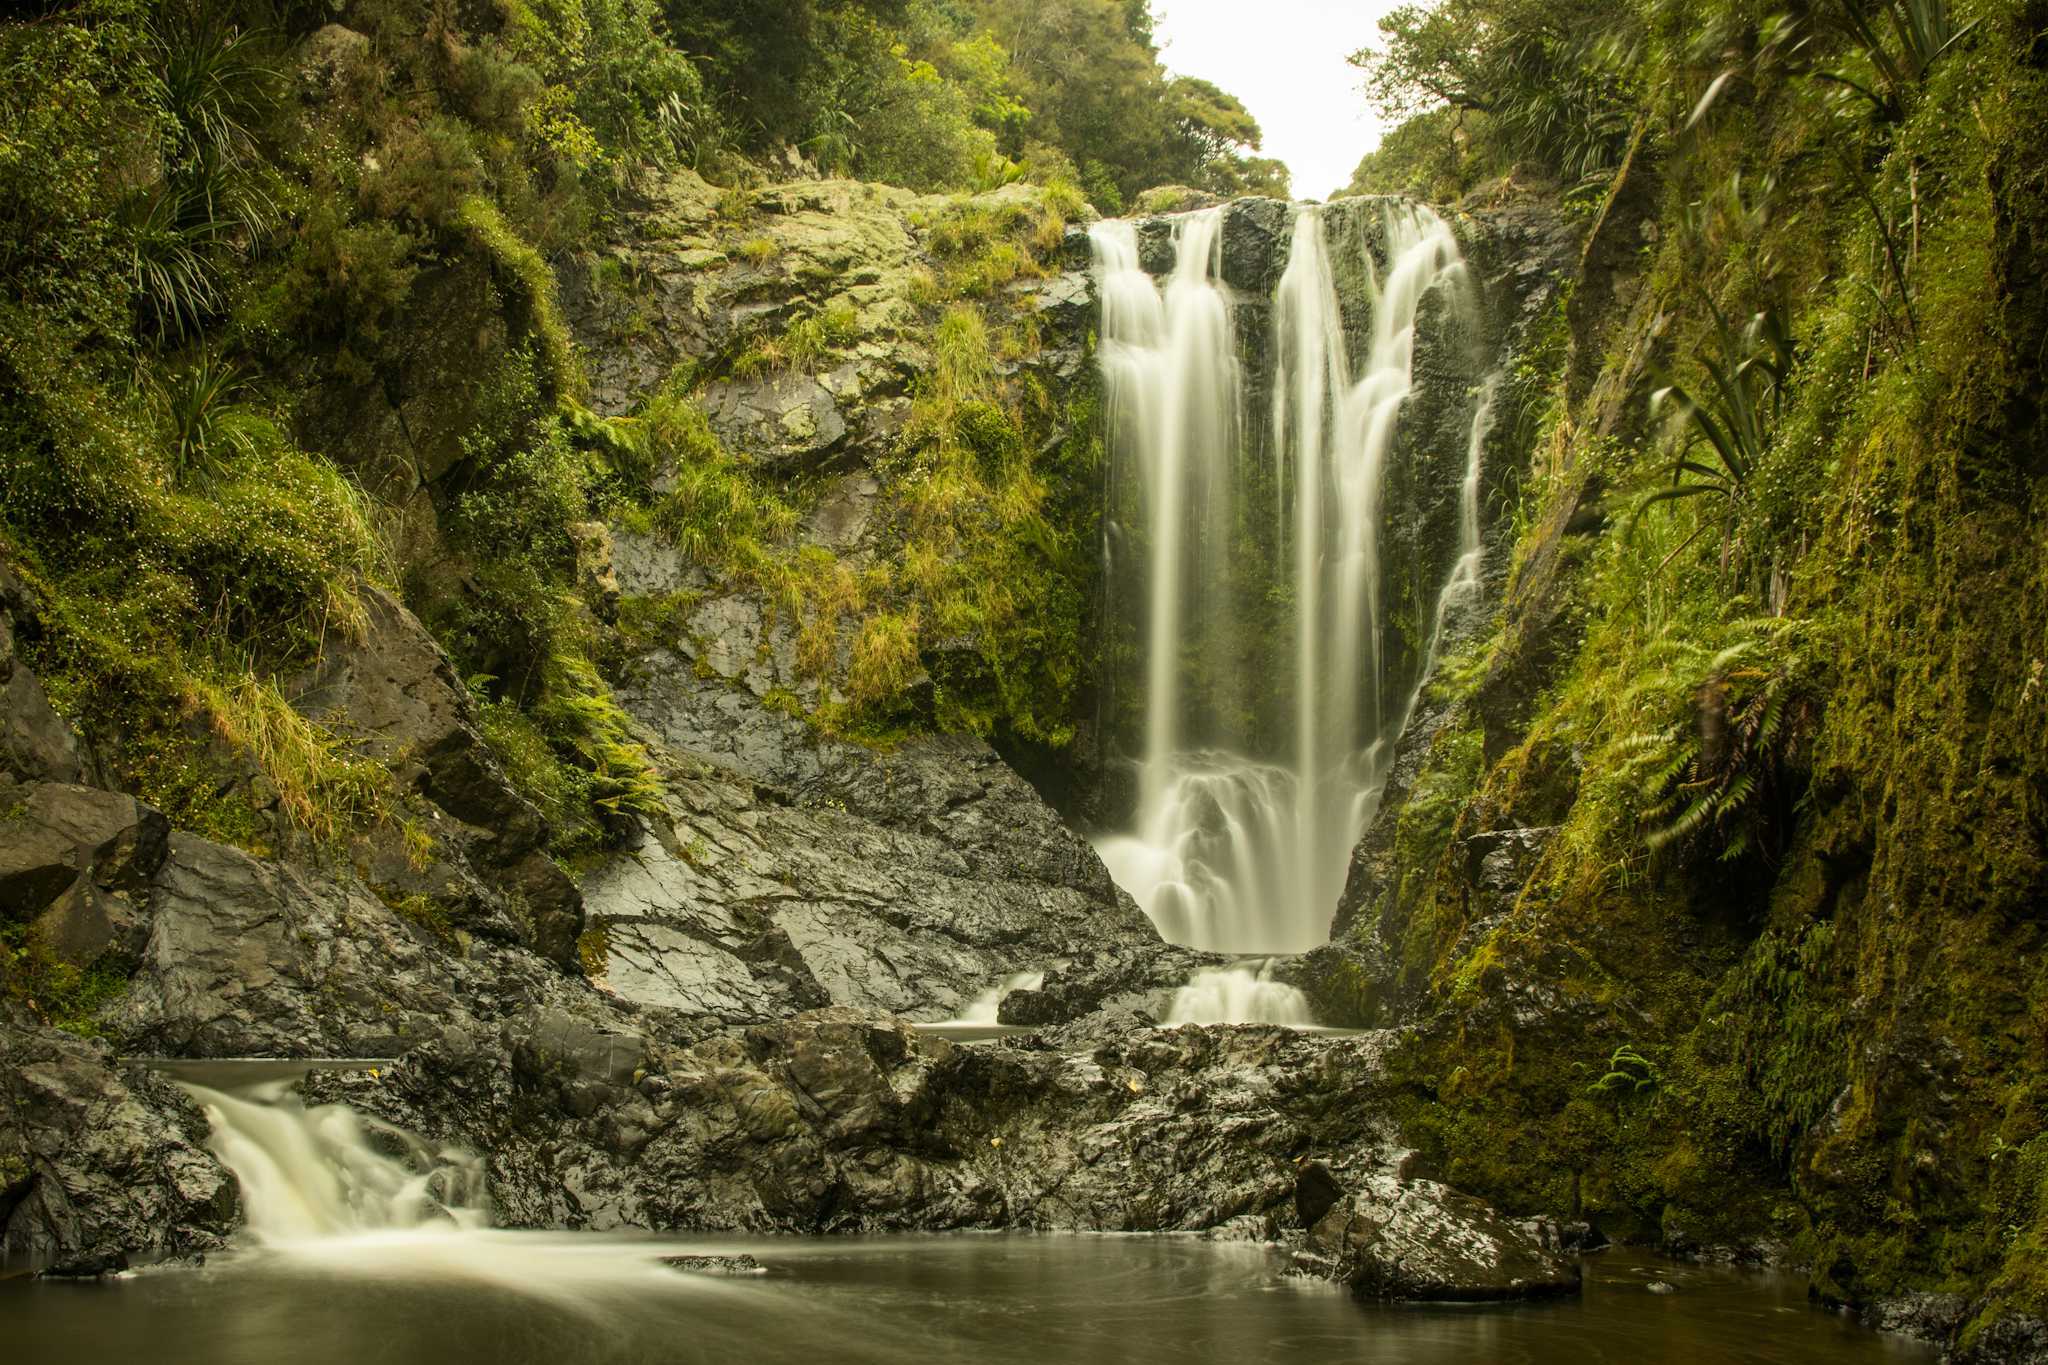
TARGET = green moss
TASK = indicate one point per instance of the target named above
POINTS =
(57, 992)
(517, 261)
(426, 912)
(593, 951)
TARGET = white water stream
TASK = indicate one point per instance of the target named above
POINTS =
(324, 1188)
(1236, 847)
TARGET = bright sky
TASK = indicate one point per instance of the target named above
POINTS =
(1285, 60)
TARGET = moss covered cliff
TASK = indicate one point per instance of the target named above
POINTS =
(1717, 871)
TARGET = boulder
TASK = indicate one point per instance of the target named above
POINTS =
(77, 860)
(845, 1120)
(792, 870)
(35, 743)
(1417, 1239)
(100, 1165)
(253, 958)
(395, 692)
(1255, 237)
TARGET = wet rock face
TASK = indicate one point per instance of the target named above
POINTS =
(1255, 237)
(76, 862)
(251, 958)
(1396, 1239)
(794, 871)
(1930, 1317)
(841, 1121)
(2016, 1339)
(395, 693)
(100, 1164)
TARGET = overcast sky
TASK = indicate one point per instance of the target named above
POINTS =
(1285, 60)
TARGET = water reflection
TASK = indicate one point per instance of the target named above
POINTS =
(986, 1298)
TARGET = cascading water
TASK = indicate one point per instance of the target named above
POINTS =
(1245, 818)
(1238, 995)
(984, 1009)
(308, 1174)
(325, 1188)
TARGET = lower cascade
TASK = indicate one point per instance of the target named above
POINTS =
(325, 1187)
(1239, 995)
(1280, 659)
(326, 1171)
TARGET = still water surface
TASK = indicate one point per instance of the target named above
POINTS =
(507, 1298)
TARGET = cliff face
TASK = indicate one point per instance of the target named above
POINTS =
(1712, 872)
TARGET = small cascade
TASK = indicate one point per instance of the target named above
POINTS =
(312, 1173)
(982, 1010)
(1245, 994)
(326, 1188)
(1262, 754)
(1461, 589)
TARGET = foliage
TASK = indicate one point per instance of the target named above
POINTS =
(1628, 1073)
(1733, 420)
(1554, 80)
(206, 426)
(1898, 41)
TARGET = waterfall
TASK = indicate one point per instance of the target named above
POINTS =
(1239, 995)
(1462, 586)
(327, 1189)
(312, 1173)
(983, 1009)
(1248, 807)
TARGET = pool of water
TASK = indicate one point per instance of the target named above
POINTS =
(504, 1298)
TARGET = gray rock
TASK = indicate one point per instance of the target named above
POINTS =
(35, 743)
(794, 870)
(789, 424)
(839, 1120)
(1416, 1239)
(2011, 1339)
(1255, 236)
(252, 958)
(1930, 1317)
(77, 860)
(395, 692)
(99, 1165)
(716, 1265)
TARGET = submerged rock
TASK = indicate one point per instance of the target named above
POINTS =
(716, 1265)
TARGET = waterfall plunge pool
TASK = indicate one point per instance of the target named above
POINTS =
(452, 1297)
(365, 1242)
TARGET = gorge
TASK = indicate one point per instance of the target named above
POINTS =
(680, 680)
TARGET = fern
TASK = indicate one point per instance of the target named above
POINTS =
(1717, 762)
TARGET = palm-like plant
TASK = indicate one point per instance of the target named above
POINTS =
(171, 261)
(206, 420)
(1727, 428)
(218, 85)
(1901, 39)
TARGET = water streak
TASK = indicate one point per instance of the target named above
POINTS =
(1239, 995)
(1239, 844)
(983, 1008)
(329, 1190)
